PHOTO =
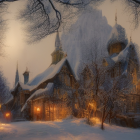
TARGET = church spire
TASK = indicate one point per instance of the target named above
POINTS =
(58, 53)
(17, 75)
(116, 17)
(130, 39)
(57, 41)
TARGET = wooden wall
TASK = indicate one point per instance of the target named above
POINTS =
(49, 111)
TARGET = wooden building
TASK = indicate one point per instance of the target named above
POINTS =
(123, 62)
(49, 96)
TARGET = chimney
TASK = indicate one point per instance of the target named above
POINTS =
(26, 76)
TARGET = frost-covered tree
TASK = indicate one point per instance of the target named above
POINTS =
(113, 97)
(2, 28)
(4, 89)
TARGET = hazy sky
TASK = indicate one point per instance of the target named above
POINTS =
(37, 56)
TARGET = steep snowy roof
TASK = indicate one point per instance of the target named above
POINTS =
(109, 60)
(123, 55)
(23, 86)
(117, 35)
(38, 93)
(9, 100)
(48, 73)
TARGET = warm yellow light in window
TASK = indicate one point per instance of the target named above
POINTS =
(0, 106)
(7, 114)
(38, 109)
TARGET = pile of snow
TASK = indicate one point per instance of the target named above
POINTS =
(69, 129)
(38, 93)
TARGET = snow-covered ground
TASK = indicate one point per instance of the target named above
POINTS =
(69, 129)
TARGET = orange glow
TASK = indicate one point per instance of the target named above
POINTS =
(7, 114)
(38, 109)
(96, 120)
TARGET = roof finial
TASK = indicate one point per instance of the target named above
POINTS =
(65, 54)
(116, 17)
(57, 41)
(17, 65)
(131, 37)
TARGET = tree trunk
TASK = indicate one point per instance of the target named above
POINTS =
(110, 118)
(102, 125)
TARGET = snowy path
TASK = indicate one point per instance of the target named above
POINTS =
(71, 129)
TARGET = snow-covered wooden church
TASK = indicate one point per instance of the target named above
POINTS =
(49, 95)
(53, 94)
(123, 60)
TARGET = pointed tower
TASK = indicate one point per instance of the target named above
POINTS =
(57, 41)
(26, 76)
(116, 17)
(17, 76)
(117, 40)
(58, 53)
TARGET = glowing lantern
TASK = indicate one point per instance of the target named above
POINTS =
(7, 114)
(0, 106)
(38, 109)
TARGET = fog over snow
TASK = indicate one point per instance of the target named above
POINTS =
(89, 28)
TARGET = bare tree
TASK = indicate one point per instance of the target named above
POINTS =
(47, 16)
(112, 99)
(91, 78)
(133, 8)
(2, 28)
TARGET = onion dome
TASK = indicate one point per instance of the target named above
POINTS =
(117, 40)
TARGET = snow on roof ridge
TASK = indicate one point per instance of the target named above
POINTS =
(49, 73)
(23, 86)
(38, 93)
(123, 55)
(10, 99)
